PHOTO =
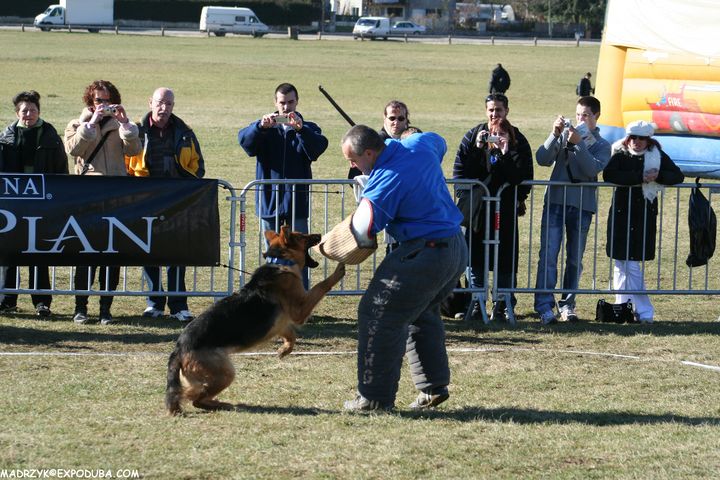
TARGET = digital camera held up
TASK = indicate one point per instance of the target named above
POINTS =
(107, 110)
(485, 137)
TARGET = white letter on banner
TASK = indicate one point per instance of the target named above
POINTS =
(9, 186)
(114, 222)
(10, 220)
(56, 248)
(30, 188)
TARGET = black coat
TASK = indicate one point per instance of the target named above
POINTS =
(499, 80)
(516, 166)
(49, 158)
(634, 224)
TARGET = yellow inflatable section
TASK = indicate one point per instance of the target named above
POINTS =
(660, 62)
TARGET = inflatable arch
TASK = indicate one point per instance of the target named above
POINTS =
(660, 62)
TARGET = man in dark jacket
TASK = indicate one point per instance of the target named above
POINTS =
(499, 80)
(506, 160)
(30, 145)
(285, 146)
(170, 150)
(584, 87)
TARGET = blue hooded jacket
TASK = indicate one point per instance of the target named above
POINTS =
(283, 154)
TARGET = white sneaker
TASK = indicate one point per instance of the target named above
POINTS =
(567, 313)
(182, 316)
(152, 312)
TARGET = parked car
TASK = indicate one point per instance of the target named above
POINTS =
(409, 28)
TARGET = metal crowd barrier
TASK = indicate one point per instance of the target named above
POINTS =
(667, 274)
(332, 200)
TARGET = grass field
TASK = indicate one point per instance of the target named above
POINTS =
(572, 401)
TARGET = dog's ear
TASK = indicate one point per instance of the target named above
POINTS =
(285, 234)
(270, 235)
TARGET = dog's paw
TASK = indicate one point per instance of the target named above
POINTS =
(285, 349)
(340, 269)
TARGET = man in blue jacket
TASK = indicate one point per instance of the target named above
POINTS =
(399, 314)
(285, 146)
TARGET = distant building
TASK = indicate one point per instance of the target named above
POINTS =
(435, 14)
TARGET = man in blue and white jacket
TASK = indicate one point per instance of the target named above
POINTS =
(399, 313)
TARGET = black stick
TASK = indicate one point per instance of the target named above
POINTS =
(354, 172)
(337, 107)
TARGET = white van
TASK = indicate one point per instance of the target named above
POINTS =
(222, 20)
(372, 27)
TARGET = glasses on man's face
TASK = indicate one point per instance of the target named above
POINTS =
(99, 100)
(399, 119)
(638, 137)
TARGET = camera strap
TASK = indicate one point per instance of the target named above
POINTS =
(88, 161)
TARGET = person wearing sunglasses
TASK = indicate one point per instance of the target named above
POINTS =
(642, 168)
(495, 152)
(99, 140)
(577, 154)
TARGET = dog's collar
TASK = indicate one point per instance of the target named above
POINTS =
(280, 261)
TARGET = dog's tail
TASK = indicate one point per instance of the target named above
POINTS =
(173, 392)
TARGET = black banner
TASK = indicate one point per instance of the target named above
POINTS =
(98, 220)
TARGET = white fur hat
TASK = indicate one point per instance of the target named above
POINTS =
(641, 128)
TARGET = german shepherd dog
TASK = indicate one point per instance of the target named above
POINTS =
(270, 305)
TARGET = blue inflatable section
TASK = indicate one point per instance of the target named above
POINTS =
(696, 156)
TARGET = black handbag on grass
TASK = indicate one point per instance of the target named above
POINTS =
(614, 312)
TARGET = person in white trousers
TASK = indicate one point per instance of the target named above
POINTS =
(641, 169)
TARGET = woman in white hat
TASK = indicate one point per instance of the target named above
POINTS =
(639, 164)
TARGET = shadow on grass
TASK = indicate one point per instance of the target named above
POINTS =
(74, 340)
(500, 415)
(530, 416)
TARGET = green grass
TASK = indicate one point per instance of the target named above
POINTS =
(526, 402)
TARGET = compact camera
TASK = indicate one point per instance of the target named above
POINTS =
(487, 138)
(568, 124)
(282, 119)
(107, 110)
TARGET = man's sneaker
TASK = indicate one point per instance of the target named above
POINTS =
(42, 310)
(152, 312)
(362, 404)
(567, 313)
(182, 316)
(430, 399)
(81, 316)
(5, 308)
(106, 317)
(499, 312)
(548, 317)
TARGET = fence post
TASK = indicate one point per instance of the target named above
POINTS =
(22, 27)
(535, 41)
(449, 39)
(117, 30)
(162, 31)
(406, 41)
(492, 40)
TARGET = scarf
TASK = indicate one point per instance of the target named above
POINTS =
(651, 160)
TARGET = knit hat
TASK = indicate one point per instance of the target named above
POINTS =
(641, 128)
